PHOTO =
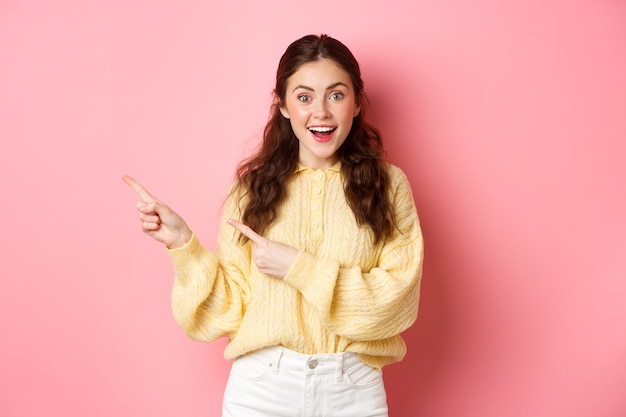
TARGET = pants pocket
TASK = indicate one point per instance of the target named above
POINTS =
(251, 367)
(363, 375)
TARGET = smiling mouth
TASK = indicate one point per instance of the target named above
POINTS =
(322, 131)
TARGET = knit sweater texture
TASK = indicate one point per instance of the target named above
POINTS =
(343, 292)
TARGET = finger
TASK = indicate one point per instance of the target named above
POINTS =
(150, 218)
(150, 207)
(150, 227)
(245, 230)
(139, 189)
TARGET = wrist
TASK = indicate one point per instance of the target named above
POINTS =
(183, 240)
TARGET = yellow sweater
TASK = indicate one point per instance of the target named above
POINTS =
(343, 293)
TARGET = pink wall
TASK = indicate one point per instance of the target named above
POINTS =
(508, 117)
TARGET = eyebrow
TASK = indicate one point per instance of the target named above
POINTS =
(330, 87)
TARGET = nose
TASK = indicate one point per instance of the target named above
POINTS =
(321, 110)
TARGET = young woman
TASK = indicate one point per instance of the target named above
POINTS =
(318, 261)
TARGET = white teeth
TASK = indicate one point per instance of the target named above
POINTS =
(321, 129)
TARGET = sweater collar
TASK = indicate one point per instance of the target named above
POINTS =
(335, 168)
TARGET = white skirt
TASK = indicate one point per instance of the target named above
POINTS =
(278, 382)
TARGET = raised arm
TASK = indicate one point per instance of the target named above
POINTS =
(208, 294)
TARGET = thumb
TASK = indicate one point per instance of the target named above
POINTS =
(156, 207)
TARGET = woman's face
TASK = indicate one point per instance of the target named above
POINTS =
(320, 105)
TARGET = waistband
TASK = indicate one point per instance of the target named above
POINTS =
(278, 357)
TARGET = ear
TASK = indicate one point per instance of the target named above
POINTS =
(357, 110)
(284, 112)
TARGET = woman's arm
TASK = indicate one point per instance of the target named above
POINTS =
(375, 304)
(209, 291)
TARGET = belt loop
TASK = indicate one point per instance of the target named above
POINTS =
(276, 364)
(339, 365)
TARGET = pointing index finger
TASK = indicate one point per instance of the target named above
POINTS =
(245, 230)
(139, 189)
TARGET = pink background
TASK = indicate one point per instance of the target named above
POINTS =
(509, 118)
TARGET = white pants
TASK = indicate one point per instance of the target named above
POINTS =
(277, 382)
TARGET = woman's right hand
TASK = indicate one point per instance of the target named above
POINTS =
(159, 221)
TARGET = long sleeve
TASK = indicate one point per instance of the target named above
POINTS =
(210, 289)
(372, 304)
(343, 292)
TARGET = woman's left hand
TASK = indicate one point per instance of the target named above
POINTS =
(271, 258)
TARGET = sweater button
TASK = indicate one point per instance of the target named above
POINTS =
(312, 364)
(317, 190)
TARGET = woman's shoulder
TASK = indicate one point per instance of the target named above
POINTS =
(396, 174)
(399, 185)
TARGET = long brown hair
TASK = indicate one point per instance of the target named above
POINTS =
(363, 161)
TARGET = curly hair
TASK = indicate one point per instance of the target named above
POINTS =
(363, 159)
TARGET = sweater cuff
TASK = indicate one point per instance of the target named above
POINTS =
(191, 250)
(305, 268)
